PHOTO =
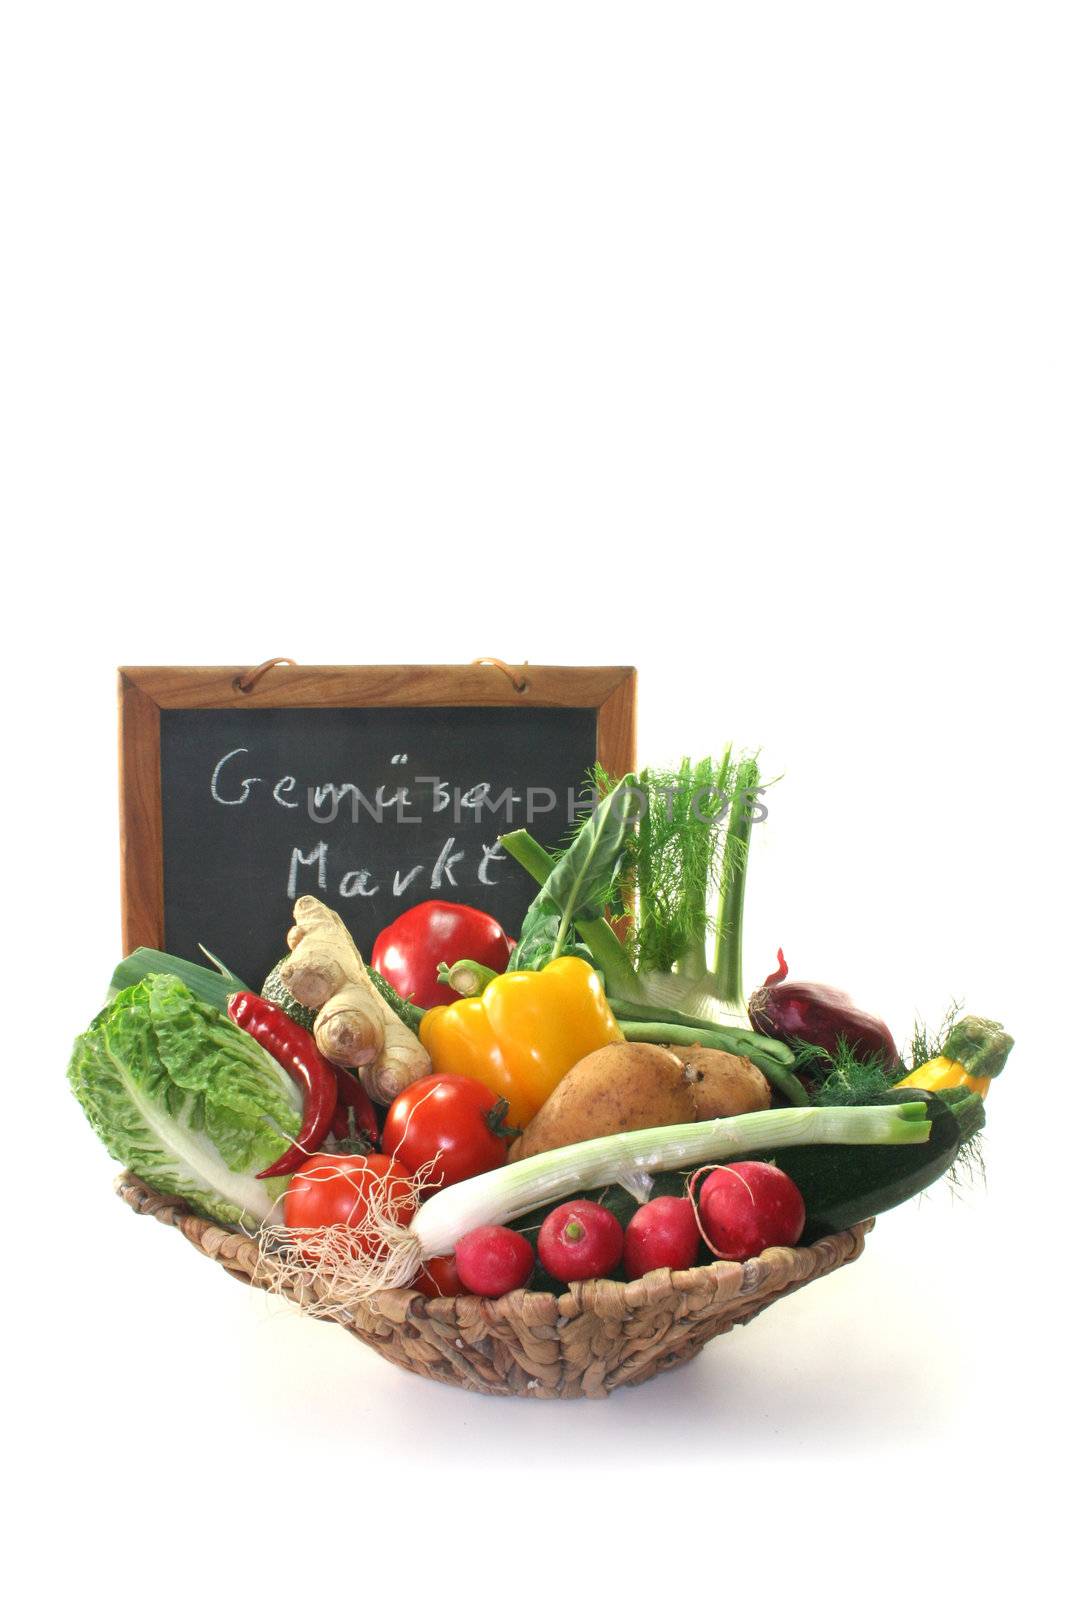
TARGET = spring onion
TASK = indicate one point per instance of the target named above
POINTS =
(511, 1191)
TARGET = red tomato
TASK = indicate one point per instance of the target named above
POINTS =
(450, 1121)
(439, 1276)
(330, 1190)
(409, 951)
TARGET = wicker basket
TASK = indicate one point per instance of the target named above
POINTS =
(595, 1337)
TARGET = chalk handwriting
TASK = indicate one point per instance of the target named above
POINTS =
(314, 865)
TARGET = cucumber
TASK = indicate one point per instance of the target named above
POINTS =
(274, 990)
(844, 1184)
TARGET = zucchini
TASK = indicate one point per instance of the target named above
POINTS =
(844, 1184)
(274, 990)
(841, 1184)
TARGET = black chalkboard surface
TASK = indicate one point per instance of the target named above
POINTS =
(372, 809)
(372, 788)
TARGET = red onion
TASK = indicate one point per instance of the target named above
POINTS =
(813, 1013)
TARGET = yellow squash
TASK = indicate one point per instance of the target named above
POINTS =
(973, 1055)
(523, 1033)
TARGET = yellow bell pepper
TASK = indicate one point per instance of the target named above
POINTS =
(523, 1033)
(973, 1055)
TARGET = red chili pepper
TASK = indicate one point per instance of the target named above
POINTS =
(351, 1096)
(294, 1049)
(437, 932)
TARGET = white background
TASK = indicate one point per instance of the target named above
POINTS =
(726, 341)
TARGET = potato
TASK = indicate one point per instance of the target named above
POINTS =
(723, 1085)
(613, 1090)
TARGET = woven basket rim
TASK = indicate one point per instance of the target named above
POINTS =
(240, 1253)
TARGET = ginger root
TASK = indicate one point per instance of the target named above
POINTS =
(354, 1027)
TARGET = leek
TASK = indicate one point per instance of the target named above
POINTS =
(511, 1191)
(205, 983)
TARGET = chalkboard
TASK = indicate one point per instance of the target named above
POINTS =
(372, 788)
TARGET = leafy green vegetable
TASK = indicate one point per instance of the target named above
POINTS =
(671, 862)
(692, 835)
(205, 982)
(692, 838)
(845, 1078)
(185, 1099)
(601, 944)
(539, 938)
(581, 882)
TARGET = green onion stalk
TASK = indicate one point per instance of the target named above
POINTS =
(393, 1250)
(511, 1191)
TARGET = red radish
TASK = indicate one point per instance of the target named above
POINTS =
(492, 1261)
(748, 1206)
(663, 1233)
(580, 1240)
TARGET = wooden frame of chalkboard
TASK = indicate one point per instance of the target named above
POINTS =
(146, 692)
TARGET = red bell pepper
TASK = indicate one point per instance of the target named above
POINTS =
(409, 952)
(355, 1110)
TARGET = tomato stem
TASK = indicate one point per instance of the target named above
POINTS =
(496, 1120)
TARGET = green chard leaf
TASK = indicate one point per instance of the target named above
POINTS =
(538, 936)
(582, 882)
(186, 1100)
